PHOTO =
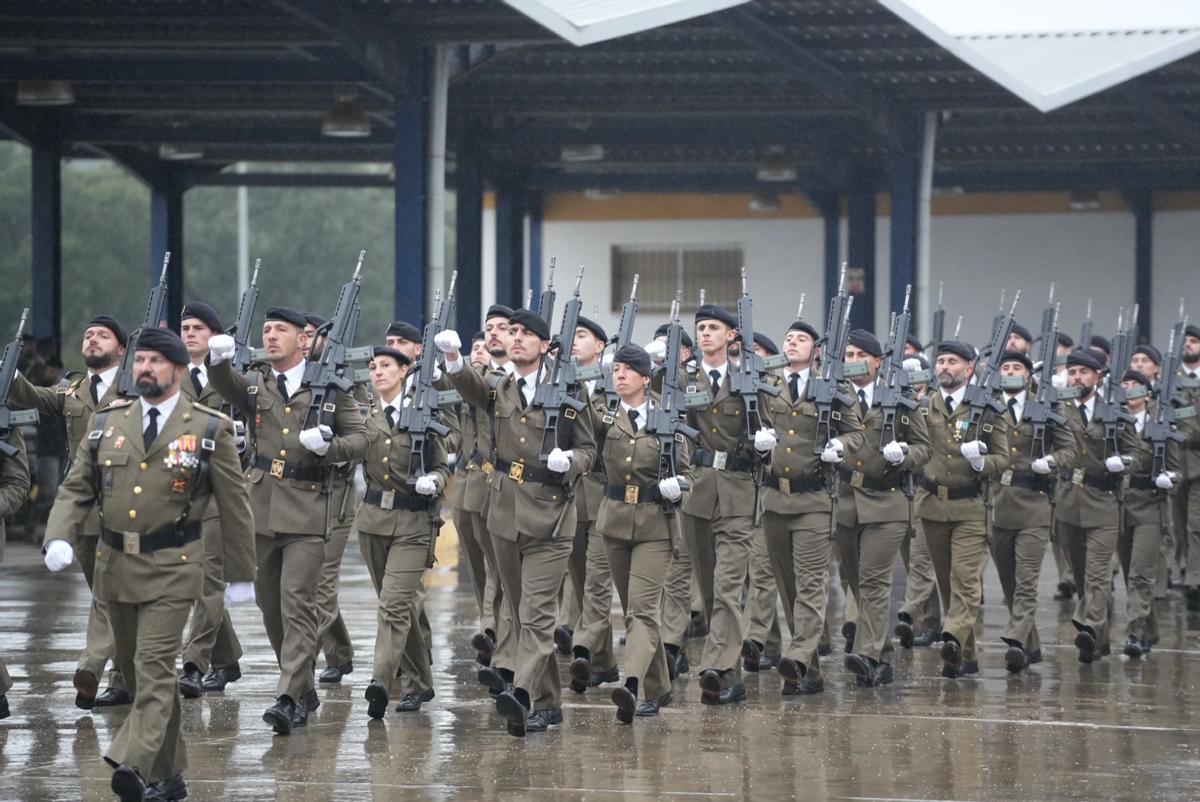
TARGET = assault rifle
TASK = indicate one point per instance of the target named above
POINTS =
(420, 418)
(981, 394)
(1160, 429)
(622, 338)
(557, 397)
(746, 380)
(1085, 334)
(10, 419)
(241, 327)
(155, 317)
(827, 388)
(546, 300)
(1040, 405)
(893, 377)
(327, 374)
(1114, 414)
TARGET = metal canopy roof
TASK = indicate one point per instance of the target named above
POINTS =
(585, 22)
(836, 86)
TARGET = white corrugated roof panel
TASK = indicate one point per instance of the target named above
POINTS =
(585, 22)
(1054, 53)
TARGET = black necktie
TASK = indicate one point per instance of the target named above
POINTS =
(715, 375)
(794, 385)
(1083, 414)
(281, 383)
(521, 390)
(633, 416)
(950, 404)
(1012, 410)
(151, 430)
(390, 412)
(862, 402)
(95, 388)
(196, 381)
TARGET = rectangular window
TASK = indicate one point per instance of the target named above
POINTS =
(665, 270)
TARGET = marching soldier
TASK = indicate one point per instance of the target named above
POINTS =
(950, 501)
(874, 509)
(212, 649)
(150, 466)
(14, 489)
(397, 525)
(74, 399)
(1023, 512)
(293, 508)
(1188, 493)
(531, 516)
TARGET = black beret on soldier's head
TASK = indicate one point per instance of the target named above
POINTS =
(684, 339)
(766, 343)
(914, 342)
(1022, 332)
(531, 322)
(1150, 351)
(958, 348)
(313, 319)
(405, 331)
(714, 312)
(806, 327)
(1137, 376)
(286, 315)
(479, 337)
(204, 313)
(593, 327)
(112, 325)
(165, 342)
(635, 357)
(866, 341)
(498, 310)
(400, 357)
(1192, 330)
(1017, 356)
(1102, 343)
(1066, 340)
(1085, 359)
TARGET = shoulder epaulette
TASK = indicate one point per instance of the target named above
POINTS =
(116, 403)
(216, 413)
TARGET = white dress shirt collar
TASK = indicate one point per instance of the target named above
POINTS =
(106, 379)
(165, 408)
(641, 411)
(295, 377)
(957, 395)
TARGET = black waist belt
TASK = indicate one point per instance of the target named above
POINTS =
(1142, 483)
(860, 479)
(289, 470)
(393, 500)
(134, 543)
(796, 485)
(722, 460)
(1031, 481)
(950, 493)
(634, 494)
(521, 472)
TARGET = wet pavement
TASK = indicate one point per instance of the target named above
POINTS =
(1112, 730)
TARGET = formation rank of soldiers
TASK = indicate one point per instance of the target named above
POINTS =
(710, 466)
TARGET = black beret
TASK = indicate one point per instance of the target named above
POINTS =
(165, 342)
(714, 312)
(1150, 351)
(593, 327)
(1066, 340)
(204, 313)
(1136, 376)
(685, 340)
(498, 310)
(479, 336)
(405, 331)
(806, 327)
(313, 319)
(286, 315)
(531, 321)
(1192, 330)
(957, 348)
(1017, 356)
(861, 338)
(112, 325)
(400, 357)
(1102, 343)
(766, 343)
(914, 342)
(1084, 359)
(1022, 332)
(635, 357)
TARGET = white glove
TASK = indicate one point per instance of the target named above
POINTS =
(1115, 464)
(559, 461)
(1164, 481)
(1059, 380)
(893, 452)
(437, 373)
(607, 360)
(670, 488)
(972, 449)
(657, 350)
(59, 554)
(314, 439)
(911, 364)
(220, 348)
(447, 341)
(765, 440)
(238, 593)
(239, 436)
(426, 485)
(833, 452)
(1042, 466)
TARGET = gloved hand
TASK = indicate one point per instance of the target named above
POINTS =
(59, 555)
(765, 440)
(437, 373)
(657, 350)
(426, 485)
(239, 436)
(1165, 480)
(447, 341)
(833, 452)
(238, 593)
(1044, 465)
(1115, 464)
(974, 451)
(1059, 380)
(911, 364)
(893, 452)
(607, 360)
(559, 461)
(670, 488)
(314, 439)
(220, 348)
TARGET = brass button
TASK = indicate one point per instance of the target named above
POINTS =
(788, 449)
(633, 442)
(283, 452)
(143, 466)
(183, 557)
(522, 439)
(794, 413)
(387, 476)
(133, 513)
(287, 409)
(791, 431)
(858, 463)
(787, 470)
(286, 430)
(627, 477)
(524, 420)
(387, 442)
(554, 498)
(385, 459)
(137, 490)
(629, 459)
(312, 487)
(107, 463)
(714, 429)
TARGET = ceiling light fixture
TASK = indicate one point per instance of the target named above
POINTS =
(765, 202)
(777, 166)
(347, 117)
(179, 152)
(44, 93)
(582, 153)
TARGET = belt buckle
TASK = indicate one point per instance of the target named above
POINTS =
(516, 472)
(856, 479)
(277, 468)
(785, 485)
(720, 459)
(387, 499)
(132, 543)
(632, 493)
(487, 467)
(1006, 478)
(1077, 476)
(943, 492)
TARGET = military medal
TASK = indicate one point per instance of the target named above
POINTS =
(182, 461)
(119, 442)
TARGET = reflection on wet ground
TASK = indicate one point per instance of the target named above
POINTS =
(1112, 730)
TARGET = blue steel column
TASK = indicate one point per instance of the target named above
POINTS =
(411, 167)
(166, 234)
(468, 233)
(904, 174)
(534, 208)
(510, 247)
(1141, 203)
(861, 252)
(46, 234)
(831, 216)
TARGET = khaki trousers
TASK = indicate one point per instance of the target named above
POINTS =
(211, 640)
(1140, 550)
(959, 552)
(799, 547)
(481, 566)
(868, 552)
(1062, 558)
(1189, 522)
(397, 569)
(1018, 554)
(6, 682)
(285, 589)
(594, 630)
(1092, 553)
(332, 634)
(98, 645)
(762, 599)
(639, 571)
(148, 637)
(677, 598)
(921, 602)
(720, 551)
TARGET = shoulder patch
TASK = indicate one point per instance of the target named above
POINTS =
(216, 413)
(117, 403)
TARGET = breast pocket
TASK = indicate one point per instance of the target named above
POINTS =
(114, 477)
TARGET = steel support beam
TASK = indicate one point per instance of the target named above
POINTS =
(186, 69)
(1141, 203)
(46, 225)
(166, 234)
(468, 249)
(411, 165)
(860, 247)
(510, 246)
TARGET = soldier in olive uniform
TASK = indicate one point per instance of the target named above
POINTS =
(150, 467)
(14, 489)
(212, 649)
(798, 504)
(950, 500)
(293, 508)
(531, 514)
(1023, 511)
(874, 509)
(1089, 511)
(74, 399)
(397, 525)
(1187, 507)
